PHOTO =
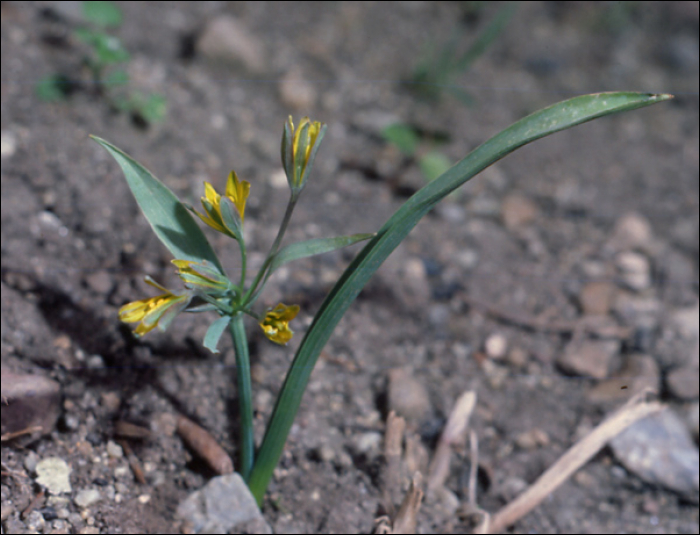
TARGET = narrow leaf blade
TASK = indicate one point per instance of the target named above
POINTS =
(304, 249)
(214, 332)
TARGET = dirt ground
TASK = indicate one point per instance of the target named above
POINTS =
(525, 240)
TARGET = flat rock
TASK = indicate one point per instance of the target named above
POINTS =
(596, 297)
(589, 358)
(226, 40)
(517, 211)
(684, 383)
(224, 505)
(640, 371)
(29, 402)
(660, 451)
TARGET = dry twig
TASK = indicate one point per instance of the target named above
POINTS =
(580, 453)
(405, 521)
(391, 473)
(452, 434)
(204, 445)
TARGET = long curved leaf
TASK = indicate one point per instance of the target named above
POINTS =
(542, 123)
(169, 218)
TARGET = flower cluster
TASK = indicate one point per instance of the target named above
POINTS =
(226, 214)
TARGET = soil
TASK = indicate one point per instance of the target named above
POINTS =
(75, 248)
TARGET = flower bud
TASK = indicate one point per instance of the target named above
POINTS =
(299, 149)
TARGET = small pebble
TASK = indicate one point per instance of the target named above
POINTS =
(114, 450)
(589, 358)
(534, 438)
(86, 497)
(407, 396)
(632, 231)
(595, 298)
(296, 92)
(635, 270)
(517, 211)
(53, 473)
(496, 346)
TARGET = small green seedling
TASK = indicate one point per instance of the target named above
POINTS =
(206, 287)
(431, 78)
(418, 149)
(435, 73)
(104, 53)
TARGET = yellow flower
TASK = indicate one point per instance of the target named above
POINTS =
(299, 149)
(202, 275)
(151, 310)
(229, 222)
(276, 323)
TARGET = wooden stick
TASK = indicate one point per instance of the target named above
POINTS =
(580, 453)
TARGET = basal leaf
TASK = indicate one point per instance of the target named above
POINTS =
(542, 123)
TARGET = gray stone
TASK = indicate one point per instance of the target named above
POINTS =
(224, 505)
(632, 231)
(86, 497)
(517, 211)
(407, 396)
(635, 270)
(29, 402)
(224, 39)
(639, 372)
(296, 92)
(596, 297)
(660, 451)
(496, 346)
(53, 473)
(590, 358)
(684, 383)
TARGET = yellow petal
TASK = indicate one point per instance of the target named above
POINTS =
(238, 192)
(275, 325)
(211, 195)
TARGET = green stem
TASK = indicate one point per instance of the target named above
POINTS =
(240, 344)
(241, 243)
(273, 250)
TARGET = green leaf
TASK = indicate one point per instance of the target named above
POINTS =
(433, 164)
(109, 49)
(54, 88)
(402, 136)
(116, 78)
(86, 35)
(214, 332)
(169, 218)
(154, 108)
(542, 123)
(303, 249)
(105, 14)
